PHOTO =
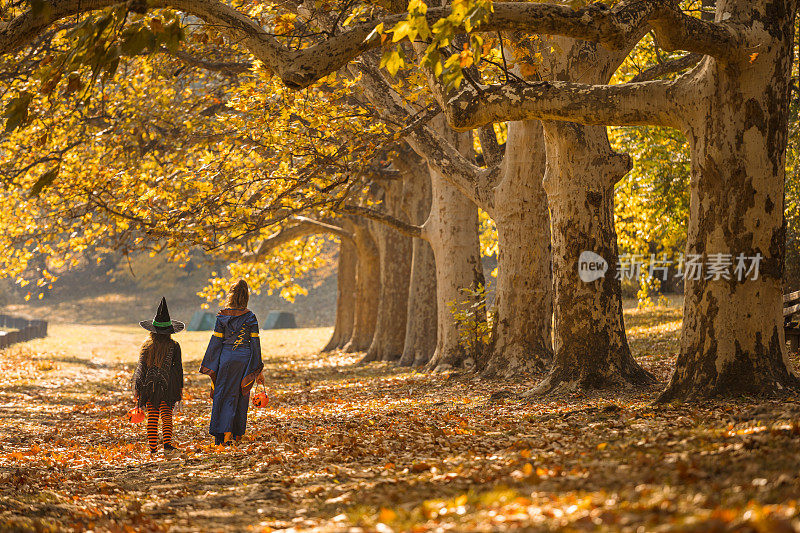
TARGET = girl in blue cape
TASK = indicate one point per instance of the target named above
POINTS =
(233, 362)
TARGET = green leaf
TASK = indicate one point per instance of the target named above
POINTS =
(172, 36)
(45, 180)
(423, 29)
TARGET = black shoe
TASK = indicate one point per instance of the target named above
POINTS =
(170, 448)
(153, 452)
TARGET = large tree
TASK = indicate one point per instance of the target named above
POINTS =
(732, 108)
(509, 189)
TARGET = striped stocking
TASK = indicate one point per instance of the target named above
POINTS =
(166, 423)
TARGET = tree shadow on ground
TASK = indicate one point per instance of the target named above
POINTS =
(342, 445)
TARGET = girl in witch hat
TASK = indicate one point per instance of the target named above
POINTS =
(233, 362)
(158, 379)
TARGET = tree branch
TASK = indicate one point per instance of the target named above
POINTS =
(226, 68)
(490, 148)
(668, 67)
(676, 30)
(630, 104)
(474, 182)
(304, 227)
(405, 228)
(299, 68)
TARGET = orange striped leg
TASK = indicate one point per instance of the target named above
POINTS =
(166, 423)
(152, 427)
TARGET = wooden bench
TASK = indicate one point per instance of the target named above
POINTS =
(791, 320)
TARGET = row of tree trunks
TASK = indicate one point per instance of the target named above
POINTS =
(405, 327)
(368, 275)
(395, 251)
(732, 334)
(345, 297)
(411, 326)
(421, 323)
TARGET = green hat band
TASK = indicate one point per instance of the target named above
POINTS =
(162, 324)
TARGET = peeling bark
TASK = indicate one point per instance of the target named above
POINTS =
(522, 336)
(732, 341)
(590, 344)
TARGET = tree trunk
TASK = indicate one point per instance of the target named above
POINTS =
(590, 345)
(522, 336)
(452, 230)
(345, 296)
(395, 257)
(732, 341)
(368, 284)
(420, 340)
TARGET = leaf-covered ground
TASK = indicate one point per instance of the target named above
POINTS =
(383, 449)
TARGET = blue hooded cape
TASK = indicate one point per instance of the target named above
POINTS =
(234, 329)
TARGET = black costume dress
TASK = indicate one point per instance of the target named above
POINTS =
(162, 383)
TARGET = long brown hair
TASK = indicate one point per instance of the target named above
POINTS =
(156, 348)
(238, 295)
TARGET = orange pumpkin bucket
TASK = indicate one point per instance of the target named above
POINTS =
(261, 399)
(136, 416)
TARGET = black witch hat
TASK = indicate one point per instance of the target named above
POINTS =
(162, 323)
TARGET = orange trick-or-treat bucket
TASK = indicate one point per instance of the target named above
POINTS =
(136, 415)
(260, 399)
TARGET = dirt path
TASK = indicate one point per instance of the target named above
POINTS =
(381, 448)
